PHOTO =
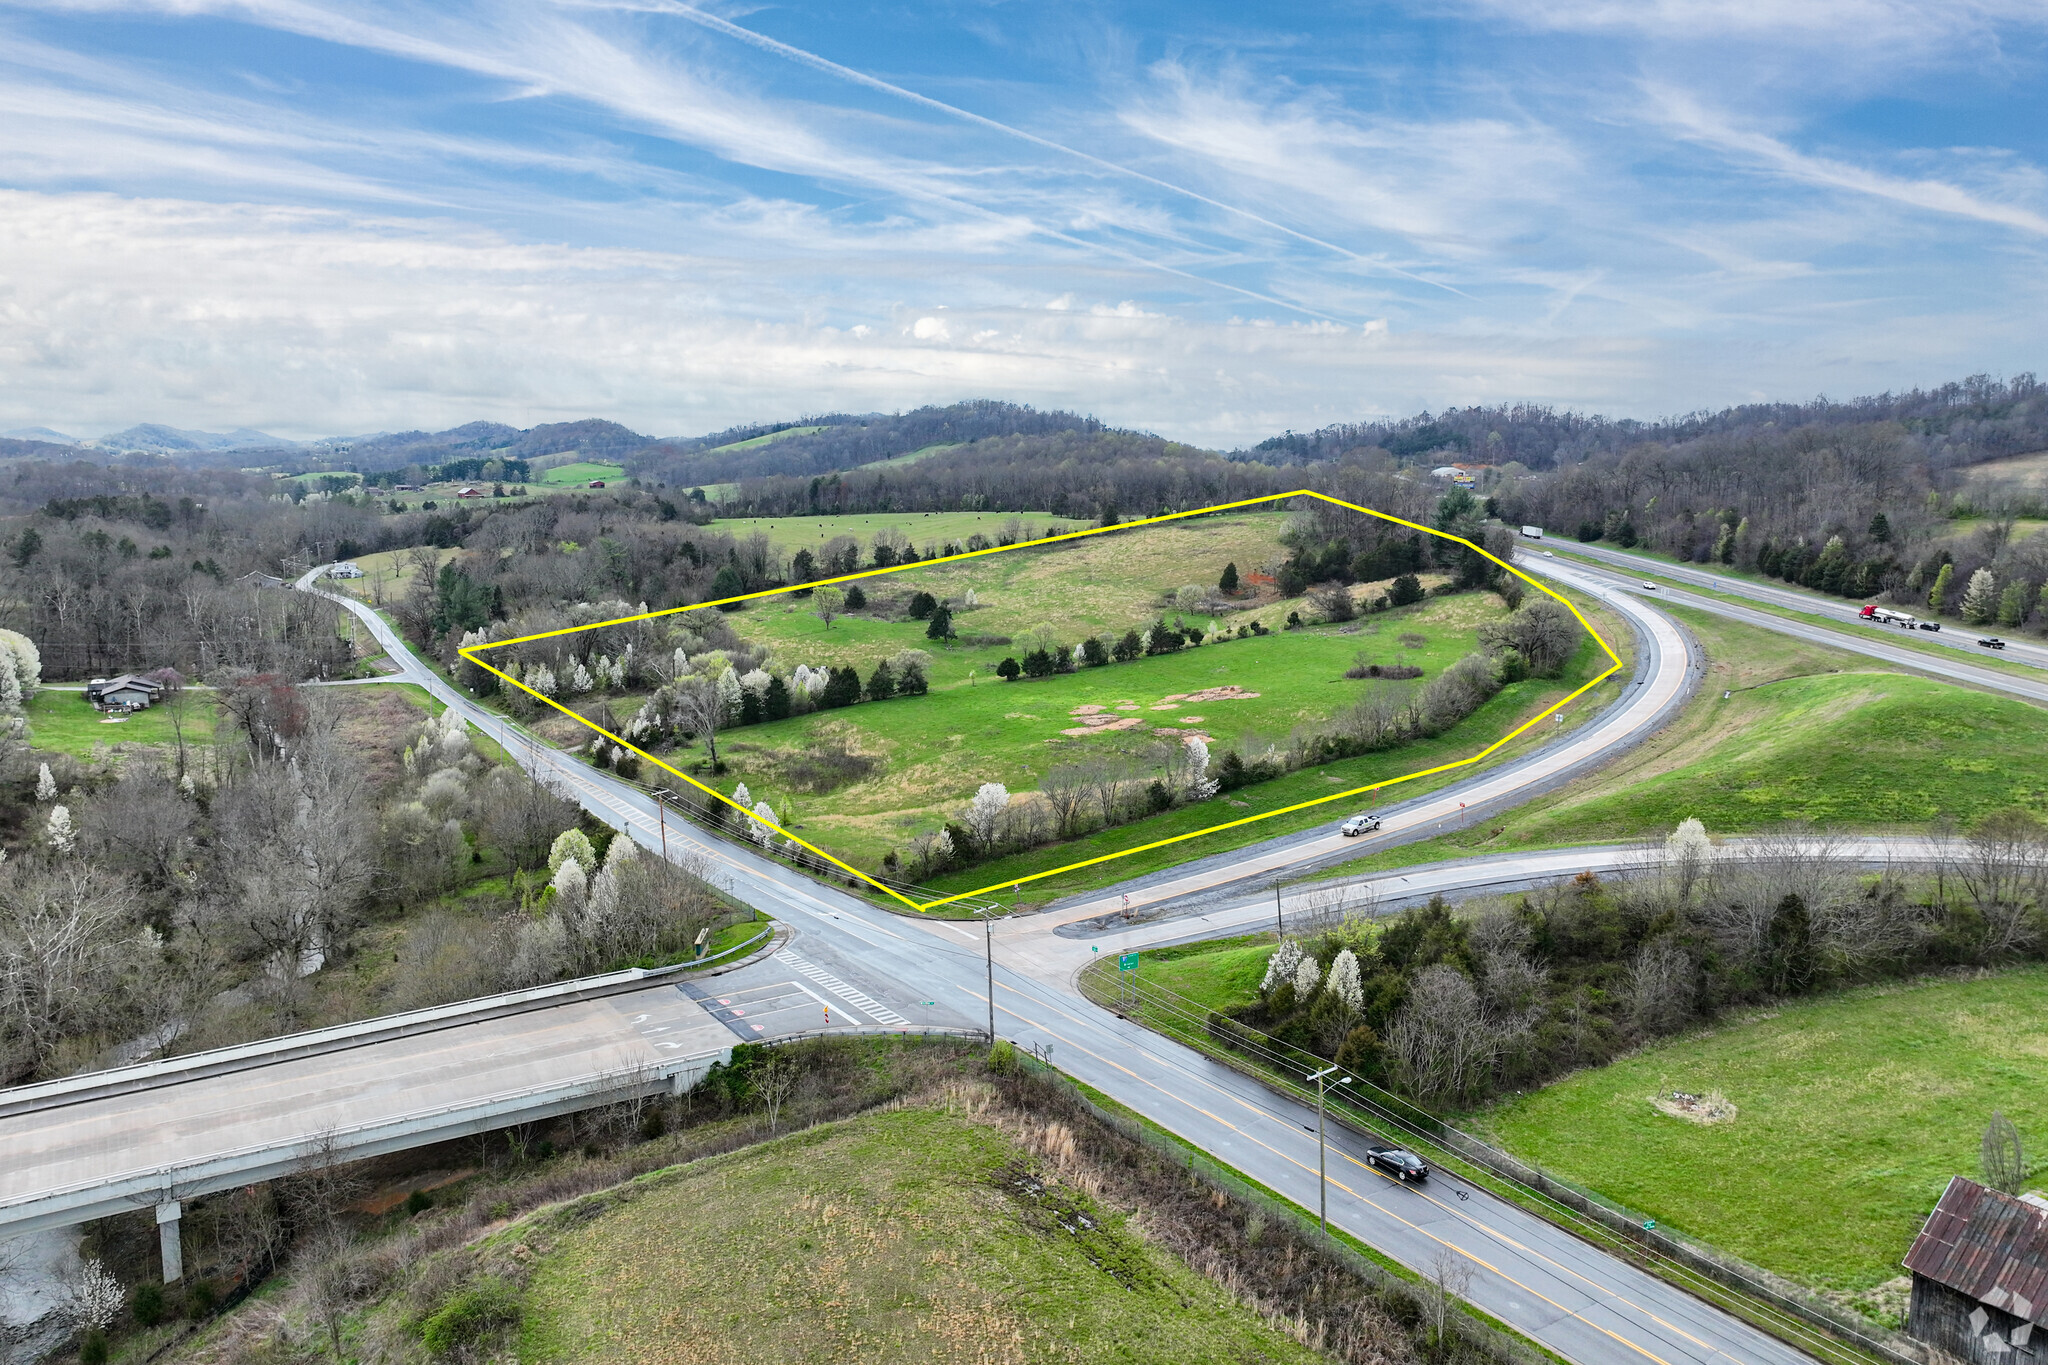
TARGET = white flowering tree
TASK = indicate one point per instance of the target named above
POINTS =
(59, 831)
(1344, 981)
(1307, 977)
(728, 686)
(95, 1299)
(1200, 785)
(760, 823)
(1280, 967)
(46, 785)
(986, 811)
(1688, 854)
(572, 844)
(21, 671)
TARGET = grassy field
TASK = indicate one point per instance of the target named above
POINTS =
(770, 438)
(790, 534)
(935, 750)
(64, 722)
(1852, 1113)
(583, 471)
(886, 1237)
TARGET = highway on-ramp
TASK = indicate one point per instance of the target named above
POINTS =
(870, 966)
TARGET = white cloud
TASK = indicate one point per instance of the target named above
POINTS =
(931, 329)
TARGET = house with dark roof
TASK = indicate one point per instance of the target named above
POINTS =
(1980, 1276)
(125, 693)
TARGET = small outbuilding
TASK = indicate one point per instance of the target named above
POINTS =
(345, 569)
(1980, 1275)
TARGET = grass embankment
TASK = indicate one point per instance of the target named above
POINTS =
(1808, 733)
(1852, 1113)
(894, 1236)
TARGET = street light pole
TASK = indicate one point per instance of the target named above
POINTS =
(1322, 1149)
(1279, 924)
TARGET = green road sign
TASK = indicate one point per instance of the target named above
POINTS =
(1127, 963)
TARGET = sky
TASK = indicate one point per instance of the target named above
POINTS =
(1215, 221)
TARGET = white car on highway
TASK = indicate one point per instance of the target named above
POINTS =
(1359, 824)
(1648, 586)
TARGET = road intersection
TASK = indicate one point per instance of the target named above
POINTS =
(871, 969)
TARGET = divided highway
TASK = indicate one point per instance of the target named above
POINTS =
(874, 969)
(1850, 632)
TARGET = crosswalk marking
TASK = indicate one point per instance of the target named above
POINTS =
(868, 1005)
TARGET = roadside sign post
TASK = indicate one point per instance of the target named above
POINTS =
(1126, 980)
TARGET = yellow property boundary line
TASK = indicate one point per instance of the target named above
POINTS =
(470, 653)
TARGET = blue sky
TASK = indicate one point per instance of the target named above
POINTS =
(1211, 220)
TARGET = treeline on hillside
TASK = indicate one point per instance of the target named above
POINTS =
(1945, 428)
(594, 438)
(1451, 1010)
(1849, 511)
(1105, 476)
(133, 897)
(846, 442)
(129, 570)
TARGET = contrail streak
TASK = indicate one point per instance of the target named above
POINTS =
(830, 67)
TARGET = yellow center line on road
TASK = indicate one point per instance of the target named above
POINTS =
(1637, 1347)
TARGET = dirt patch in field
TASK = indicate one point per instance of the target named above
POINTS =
(1710, 1108)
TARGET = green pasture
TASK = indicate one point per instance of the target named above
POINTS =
(1513, 706)
(937, 749)
(1093, 586)
(790, 534)
(1851, 1114)
(773, 436)
(64, 722)
(913, 456)
(583, 471)
(887, 1237)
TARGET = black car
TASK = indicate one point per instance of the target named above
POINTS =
(1930, 625)
(1398, 1163)
(1992, 643)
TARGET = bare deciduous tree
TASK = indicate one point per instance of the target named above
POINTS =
(1663, 986)
(1066, 790)
(775, 1081)
(2001, 1157)
(699, 710)
(2003, 865)
(521, 817)
(1442, 1044)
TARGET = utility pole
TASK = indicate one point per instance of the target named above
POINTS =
(661, 814)
(1279, 924)
(1322, 1149)
(988, 936)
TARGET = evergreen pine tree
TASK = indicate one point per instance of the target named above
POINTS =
(1937, 597)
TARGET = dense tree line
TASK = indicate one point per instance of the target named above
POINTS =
(846, 442)
(1947, 427)
(1452, 1008)
(152, 908)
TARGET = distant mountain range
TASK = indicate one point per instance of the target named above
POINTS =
(163, 440)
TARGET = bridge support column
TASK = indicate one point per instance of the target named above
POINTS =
(167, 1216)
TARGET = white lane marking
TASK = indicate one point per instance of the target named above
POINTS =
(819, 998)
(880, 1012)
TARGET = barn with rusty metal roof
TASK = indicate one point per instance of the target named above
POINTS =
(1980, 1275)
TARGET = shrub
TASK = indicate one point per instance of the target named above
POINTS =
(627, 766)
(922, 605)
(148, 1304)
(1008, 670)
(856, 600)
(200, 1298)
(93, 1351)
(473, 1313)
(418, 1202)
(1405, 591)
(1093, 652)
